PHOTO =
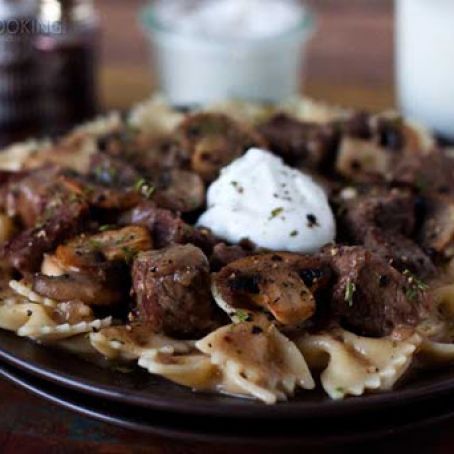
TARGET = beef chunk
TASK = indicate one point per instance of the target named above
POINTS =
(309, 145)
(179, 190)
(113, 172)
(384, 222)
(369, 296)
(25, 251)
(400, 252)
(167, 228)
(427, 173)
(283, 284)
(437, 231)
(391, 210)
(29, 197)
(146, 153)
(214, 140)
(172, 290)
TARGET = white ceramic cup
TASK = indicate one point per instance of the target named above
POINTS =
(425, 62)
(194, 70)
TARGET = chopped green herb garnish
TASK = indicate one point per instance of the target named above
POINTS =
(416, 286)
(421, 184)
(242, 316)
(350, 290)
(144, 188)
(276, 212)
(106, 227)
(237, 186)
(129, 254)
(95, 244)
(294, 233)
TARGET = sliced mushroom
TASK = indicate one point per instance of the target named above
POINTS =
(112, 245)
(103, 289)
(213, 141)
(282, 284)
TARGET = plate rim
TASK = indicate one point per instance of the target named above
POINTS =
(229, 408)
(60, 396)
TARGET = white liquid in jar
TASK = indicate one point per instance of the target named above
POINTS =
(425, 62)
(212, 50)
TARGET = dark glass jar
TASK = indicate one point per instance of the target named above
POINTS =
(19, 86)
(67, 52)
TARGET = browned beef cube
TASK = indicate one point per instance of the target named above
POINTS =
(167, 228)
(369, 296)
(172, 290)
(299, 143)
(30, 196)
(391, 210)
(113, 172)
(427, 172)
(399, 251)
(25, 251)
(213, 140)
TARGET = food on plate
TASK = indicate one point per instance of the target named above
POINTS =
(242, 249)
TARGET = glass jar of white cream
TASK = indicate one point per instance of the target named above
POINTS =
(211, 50)
(425, 62)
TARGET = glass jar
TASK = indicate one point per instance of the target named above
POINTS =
(424, 62)
(238, 52)
(67, 51)
(19, 88)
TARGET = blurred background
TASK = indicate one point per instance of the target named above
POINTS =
(350, 59)
(88, 56)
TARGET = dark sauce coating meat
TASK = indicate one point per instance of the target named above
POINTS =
(369, 296)
(306, 145)
(285, 285)
(400, 252)
(167, 227)
(384, 221)
(29, 197)
(428, 173)
(174, 188)
(146, 153)
(392, 210)
(172, 290)
(214, 140)
(25, 251)
(112, 171)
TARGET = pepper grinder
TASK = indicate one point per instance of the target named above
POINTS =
(67, 52)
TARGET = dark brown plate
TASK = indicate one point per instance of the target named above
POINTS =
(265, 433)
(141, 389)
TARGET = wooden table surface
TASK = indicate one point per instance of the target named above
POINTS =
(350, 62)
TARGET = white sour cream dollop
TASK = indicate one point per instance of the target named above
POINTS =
(258, 197)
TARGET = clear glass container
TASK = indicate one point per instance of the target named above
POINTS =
(425, 63)
(195, 69)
